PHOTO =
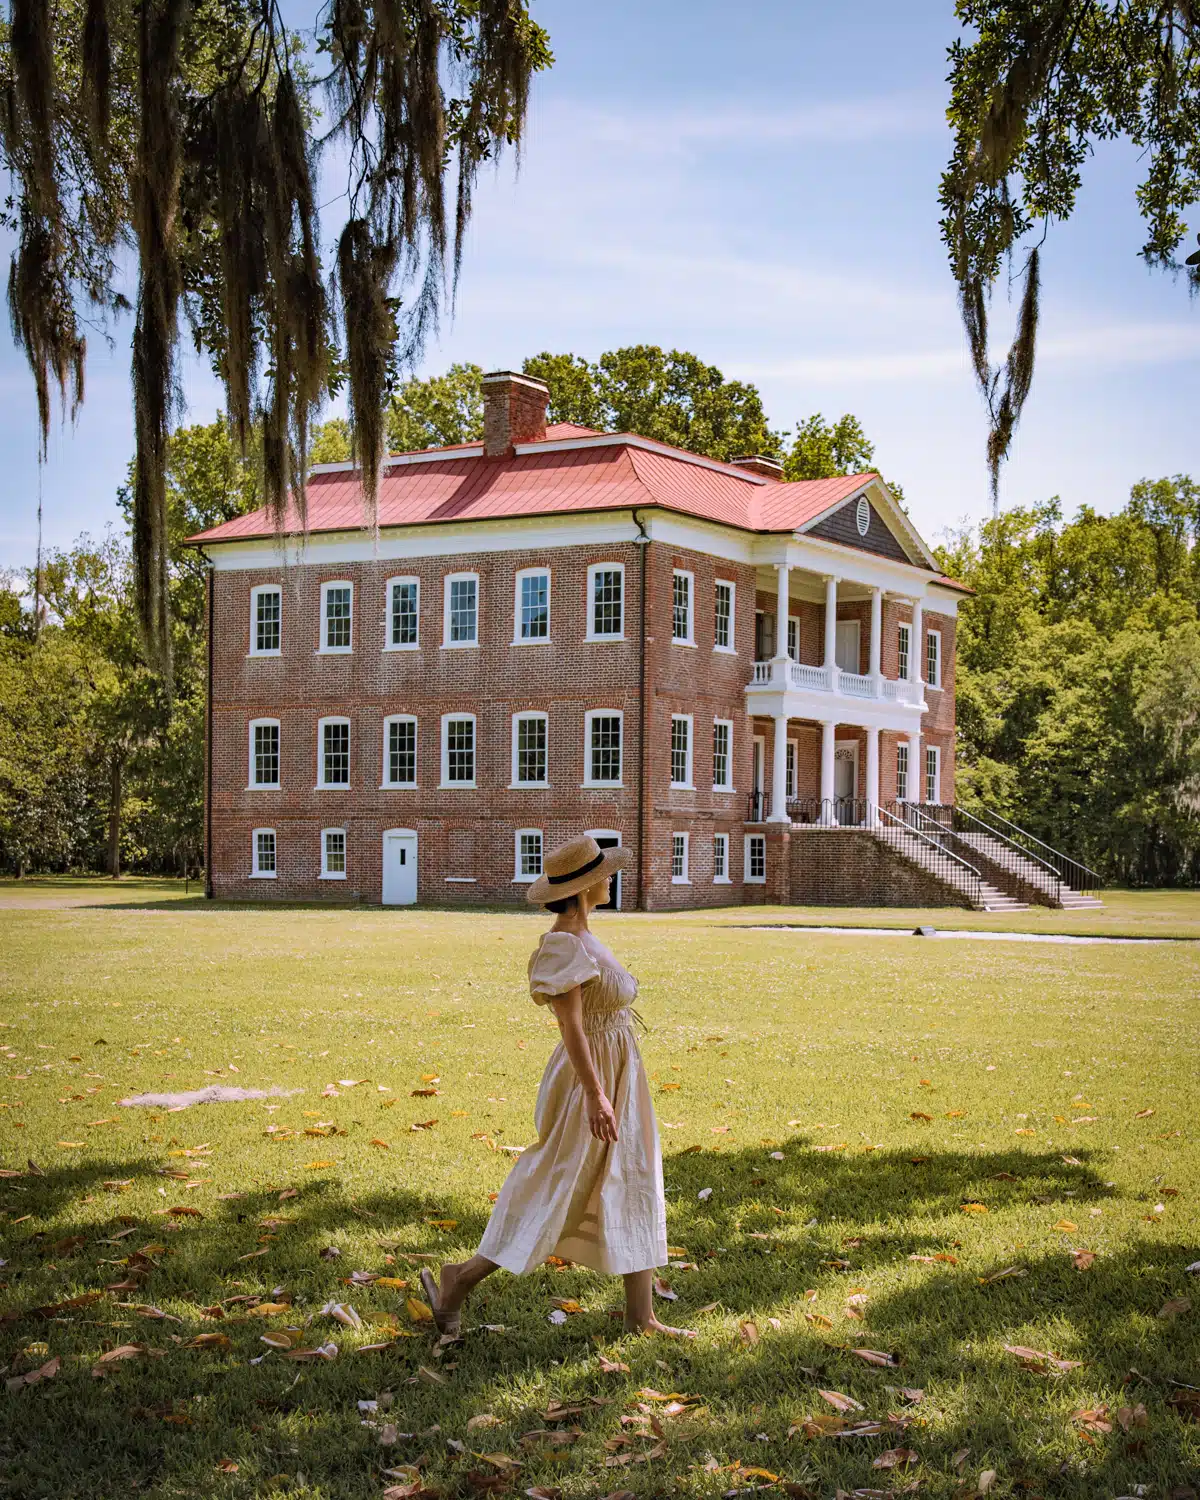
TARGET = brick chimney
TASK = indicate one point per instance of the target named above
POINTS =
(514, 411)
(769, 468)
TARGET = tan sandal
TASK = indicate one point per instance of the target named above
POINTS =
(447, 1324)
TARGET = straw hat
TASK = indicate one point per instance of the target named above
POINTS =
(573, 867)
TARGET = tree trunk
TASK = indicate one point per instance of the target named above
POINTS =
(114, 816)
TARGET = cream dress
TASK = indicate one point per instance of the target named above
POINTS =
(598, 1203)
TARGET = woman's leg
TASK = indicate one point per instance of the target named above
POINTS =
(639, 1307)
(458, 1277)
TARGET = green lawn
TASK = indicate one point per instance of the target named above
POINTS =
(1060, 1086)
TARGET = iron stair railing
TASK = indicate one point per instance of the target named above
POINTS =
(1011, 865)
(1073, 873)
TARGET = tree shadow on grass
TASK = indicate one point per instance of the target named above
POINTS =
(122, 1435)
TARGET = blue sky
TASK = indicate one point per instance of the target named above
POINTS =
(758, 185)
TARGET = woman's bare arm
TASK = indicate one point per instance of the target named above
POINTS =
(568, 1011)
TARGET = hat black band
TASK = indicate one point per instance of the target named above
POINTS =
(575, 874)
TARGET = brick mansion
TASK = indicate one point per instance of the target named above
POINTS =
(749, 683)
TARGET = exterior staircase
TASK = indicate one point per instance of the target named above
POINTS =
(1050, 888)
(960, 876)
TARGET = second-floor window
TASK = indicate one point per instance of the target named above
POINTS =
(603, 749)
(532, 606)
(681, 607)
(462, 610)
(400, 751)
(458, 750)
(793, 646)
(530, 750)
(722, 755)
(404, 604)
(681, 750)
(264, 752)
(903, 652)
(337, 616)
(933, 658)
(334, 752)
(266, 621)
(723, 616)
(606, 602)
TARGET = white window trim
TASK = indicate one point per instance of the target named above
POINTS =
(384, 783)
(689, 784)
(446, 784)
(387, 613)
(268, 588)
(514, 784)
(794, 746)
(936, 752)
(593, 569)
(685, 878)
(906, 626)
(262, 786)
(601, 713)
(327, 874)
(536, 640)
(796, 618)
(518, 878)
(322, 784)
(725, 879)
(902, 745)
(728, 786)
(255, 872)
(447, 580)
(930, 682)
(747, 878)
(731, 585)
(690, 638)
(324, 649)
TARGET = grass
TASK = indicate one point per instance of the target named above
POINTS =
(827, 1048)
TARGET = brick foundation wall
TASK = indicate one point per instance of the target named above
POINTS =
(850, 867)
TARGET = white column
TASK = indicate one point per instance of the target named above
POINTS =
(876, 640)
(916, 771)
(780, 672)
(872, 776)
(779, 812)
(828, 729)
(917, 665)
(831, 584)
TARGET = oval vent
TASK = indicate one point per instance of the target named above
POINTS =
(863, 516)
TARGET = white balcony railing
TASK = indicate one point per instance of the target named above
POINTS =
(849, 684)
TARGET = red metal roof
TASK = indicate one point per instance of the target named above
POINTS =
(614, 472)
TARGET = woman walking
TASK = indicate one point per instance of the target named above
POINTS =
(590, 1190)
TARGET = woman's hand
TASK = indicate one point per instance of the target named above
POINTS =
(602, 1121)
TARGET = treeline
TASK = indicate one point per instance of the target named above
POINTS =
(1079, 679)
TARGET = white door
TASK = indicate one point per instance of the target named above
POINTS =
(846, 645)
(845, 779)
(400, 867)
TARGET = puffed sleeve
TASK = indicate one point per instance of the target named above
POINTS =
(559, 965)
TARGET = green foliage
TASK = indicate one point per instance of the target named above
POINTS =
(438, 412)
(1040, 83)
(673, 397)
(1078, 713)
(822, 450)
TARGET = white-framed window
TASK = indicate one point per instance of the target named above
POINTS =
(262, 854)
(606, 602)
(337, 616)
(902, 771)
(722, 755)
(333, 752)
(266, 620)
(399, 751)
(403, 615)
(679, 858)
(264, 753)
(903, 651)
(790, 769)
(720, 859)
(793, 639)
(755, 857)
(724, 597)
(531, 607)
(458, 750)
(933, 774)
(460, 609)
(683, 586)
(602, 735)
(333, 854)
(681, 750)
(933, 658)
(527, 855)
(530, 749)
